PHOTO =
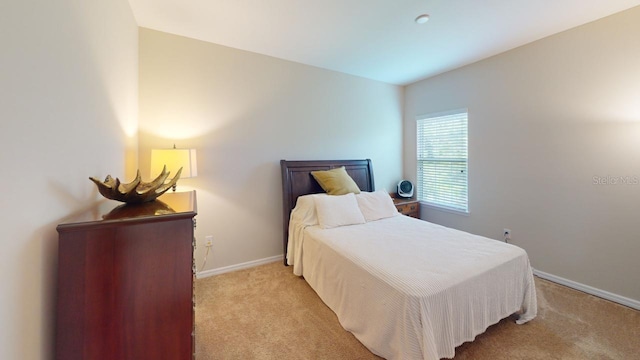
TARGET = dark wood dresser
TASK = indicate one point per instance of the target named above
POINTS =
(125, 281)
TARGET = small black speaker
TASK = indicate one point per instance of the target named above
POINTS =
(405, 189)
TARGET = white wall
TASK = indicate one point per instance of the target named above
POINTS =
(544, 119)
(243, 112)
(68, 110)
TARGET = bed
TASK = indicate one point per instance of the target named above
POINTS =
(406, 288)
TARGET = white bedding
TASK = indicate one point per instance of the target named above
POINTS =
(410, 289)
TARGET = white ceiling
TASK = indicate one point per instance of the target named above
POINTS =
(375, 39)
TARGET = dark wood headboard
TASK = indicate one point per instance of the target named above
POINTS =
(297, 181)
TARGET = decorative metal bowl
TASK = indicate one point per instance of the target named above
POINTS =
(137, 191)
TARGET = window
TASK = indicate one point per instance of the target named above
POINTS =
(442, 160)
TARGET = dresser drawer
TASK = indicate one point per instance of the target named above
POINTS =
(409, 208)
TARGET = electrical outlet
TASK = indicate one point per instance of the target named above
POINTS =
(507, 235)
(208, 241)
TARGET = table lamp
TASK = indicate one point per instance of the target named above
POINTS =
(174, 159)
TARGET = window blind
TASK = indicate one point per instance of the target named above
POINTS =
(442, 160)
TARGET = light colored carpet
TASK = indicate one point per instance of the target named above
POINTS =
(268, 313)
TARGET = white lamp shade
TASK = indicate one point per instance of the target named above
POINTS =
(174, 159)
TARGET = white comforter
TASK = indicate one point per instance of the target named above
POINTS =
(410, 289)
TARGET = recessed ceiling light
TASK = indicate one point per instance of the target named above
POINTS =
(422, 19)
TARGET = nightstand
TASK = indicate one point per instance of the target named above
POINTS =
(409, 207)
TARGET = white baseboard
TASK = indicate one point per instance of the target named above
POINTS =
(634, 304)
(246, 265)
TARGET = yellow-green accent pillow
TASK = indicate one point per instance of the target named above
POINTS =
(336, 181)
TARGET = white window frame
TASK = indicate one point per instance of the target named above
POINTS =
(452, 138)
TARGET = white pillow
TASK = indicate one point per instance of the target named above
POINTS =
(304, 212)
(338, 210)
(376, 205)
